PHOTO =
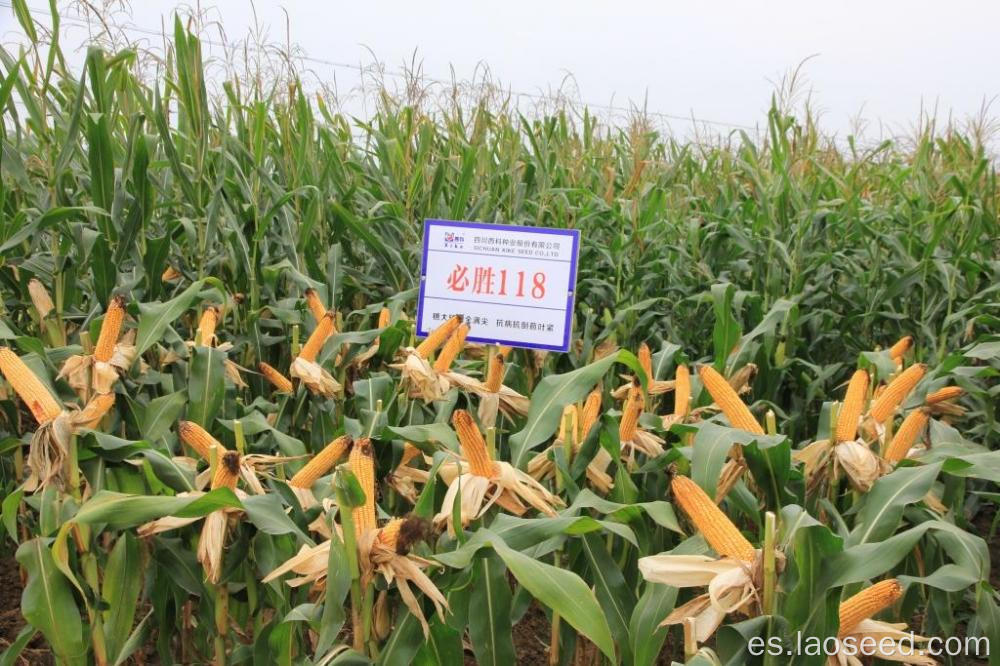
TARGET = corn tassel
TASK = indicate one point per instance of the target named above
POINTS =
(900, 347)
(682, 390)
(906, 436)
(646, 361)
(198, 438)
(943, 394)
(111, 328)
(729, 402)
(720, 532)
(321, 463)
(323, 330)
(43, 405)
(227, 472)
(896, 392)
(473, 445)
(451, 349)
(494, 375)
(315, 305)
(438, 337)
(850, 411)
(866, 603)
(363, 465)
(590, 413)
(206, 326)
(629, 423)
(281, 383)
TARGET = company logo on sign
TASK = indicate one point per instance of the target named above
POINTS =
(512, 285)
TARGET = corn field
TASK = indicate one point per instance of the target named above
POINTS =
(222, 442)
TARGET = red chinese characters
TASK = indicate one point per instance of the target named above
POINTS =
(487, 281)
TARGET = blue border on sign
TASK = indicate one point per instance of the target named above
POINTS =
(570, 298)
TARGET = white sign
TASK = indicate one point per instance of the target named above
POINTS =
(513, 285)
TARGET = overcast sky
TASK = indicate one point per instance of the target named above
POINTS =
(714, 59)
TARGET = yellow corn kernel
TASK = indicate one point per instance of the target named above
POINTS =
(206, 326)
(473, 445)
(316, 340)
(43, 405)
(94, 411)
(901, 347)
(438, 337)
(227, 471)
(631, 410)
(866, 603)
(729, 402)
(315, 305)
(363, 465)
(906, 436)
(897, 390)
(111, 328)
(590, 413)
(720, 532)
(854, 405)
(198, 438)
(321, 463)
(281, 383)
(451, 349)
(384, 318)
(505, 351)
(494, 375)
(943, 395)
(682, 390)
(646, 361)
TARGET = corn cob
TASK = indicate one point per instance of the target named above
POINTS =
(227, 472)
(943, 394)
(728, 401)
(505, 351)
(682, 390)
(646, 361)
(850, 411)
(43, 405)
(363, 466)
(720, 532)
(206, 326)
(321, 463)
(384, 318)
(438, 337)
(281, 383)
(409, 453)
(198, 438)
(896, 392)
(630, 414)
(388, 534)
(169, 273)
(473, 444)
(451, 349)
(315, 305)
(867, 603)
(590, 413)
(111, 328)
(906, 436)
(323, 330)
(572, 414)
(901, 347)
(494, 375)
(40, 298)
(94, 411)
